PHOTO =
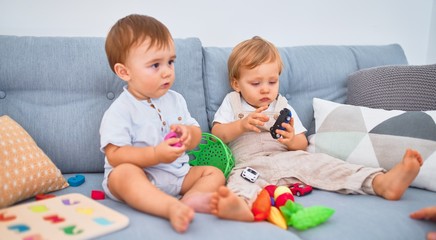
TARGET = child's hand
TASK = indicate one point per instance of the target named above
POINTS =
(165, 153)
(183, 132)
(428, 213)
(254, 119)
(288, 134)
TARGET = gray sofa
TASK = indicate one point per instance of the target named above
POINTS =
(57, 88)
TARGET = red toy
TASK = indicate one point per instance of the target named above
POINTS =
(43, 196)
(97, 195)
(261, 206)
(283, 198)
(271, 188)
(276, 205)
(300, 189)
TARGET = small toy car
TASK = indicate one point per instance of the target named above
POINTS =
(300, 189)
(285, 116)
(250, 174)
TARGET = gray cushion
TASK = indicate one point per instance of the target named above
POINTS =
(403, 87)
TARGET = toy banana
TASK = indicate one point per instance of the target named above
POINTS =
(276, 217)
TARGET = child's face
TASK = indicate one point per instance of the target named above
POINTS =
(258, 86)
(150, 70)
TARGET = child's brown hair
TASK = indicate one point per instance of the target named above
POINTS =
(131, 30)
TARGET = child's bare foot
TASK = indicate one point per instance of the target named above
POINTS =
(225, 204)
(180, 216)
(200, 202)
(395, 182)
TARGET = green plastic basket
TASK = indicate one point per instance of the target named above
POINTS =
(212, 152)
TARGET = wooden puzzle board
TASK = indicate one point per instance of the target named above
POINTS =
(70, 216)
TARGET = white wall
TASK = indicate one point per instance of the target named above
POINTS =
(432, 39)
(227, 22)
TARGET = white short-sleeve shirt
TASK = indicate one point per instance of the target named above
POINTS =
(132, 122)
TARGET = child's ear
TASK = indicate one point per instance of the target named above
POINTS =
(122, 71)
(235, 85)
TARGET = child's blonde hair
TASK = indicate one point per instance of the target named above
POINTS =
(250, 54)
(131, 30)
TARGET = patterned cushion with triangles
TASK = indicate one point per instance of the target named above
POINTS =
(375, 137)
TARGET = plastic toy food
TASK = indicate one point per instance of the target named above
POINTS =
(303, 218)
(271, 188)
(310, 217)
(173, 135)
(300, 189)
(289, 209)
(261, 206)
(280, 190)
(285, 116)
(276, 217)
(283, 198)
(276, 205)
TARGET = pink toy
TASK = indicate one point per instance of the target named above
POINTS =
(97, 195)
(173, 135)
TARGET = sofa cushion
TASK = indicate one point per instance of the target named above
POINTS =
(351, 213)
(373, 56)
(189, 78)
(216, 80)
(309, 71)
(376, 137)
(25, 170)
(403, 87)
(59, 87)
(315, 71)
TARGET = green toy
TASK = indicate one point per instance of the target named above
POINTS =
(213, 152)
(303, 218)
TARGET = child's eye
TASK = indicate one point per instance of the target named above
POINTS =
(171, 62)
(156, 65)
(254, 83)
(272, 82)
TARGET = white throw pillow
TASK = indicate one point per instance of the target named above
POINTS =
(375, 137)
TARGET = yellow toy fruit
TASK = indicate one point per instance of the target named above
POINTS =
(280, 190)
(276, 217)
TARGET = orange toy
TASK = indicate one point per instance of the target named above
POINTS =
(261, 206)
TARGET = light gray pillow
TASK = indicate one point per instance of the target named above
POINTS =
(375, 137)
(399, 87)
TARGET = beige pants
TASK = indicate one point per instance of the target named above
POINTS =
(278, 166)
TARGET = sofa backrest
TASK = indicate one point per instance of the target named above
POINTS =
(309, 71)
(57, 88)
